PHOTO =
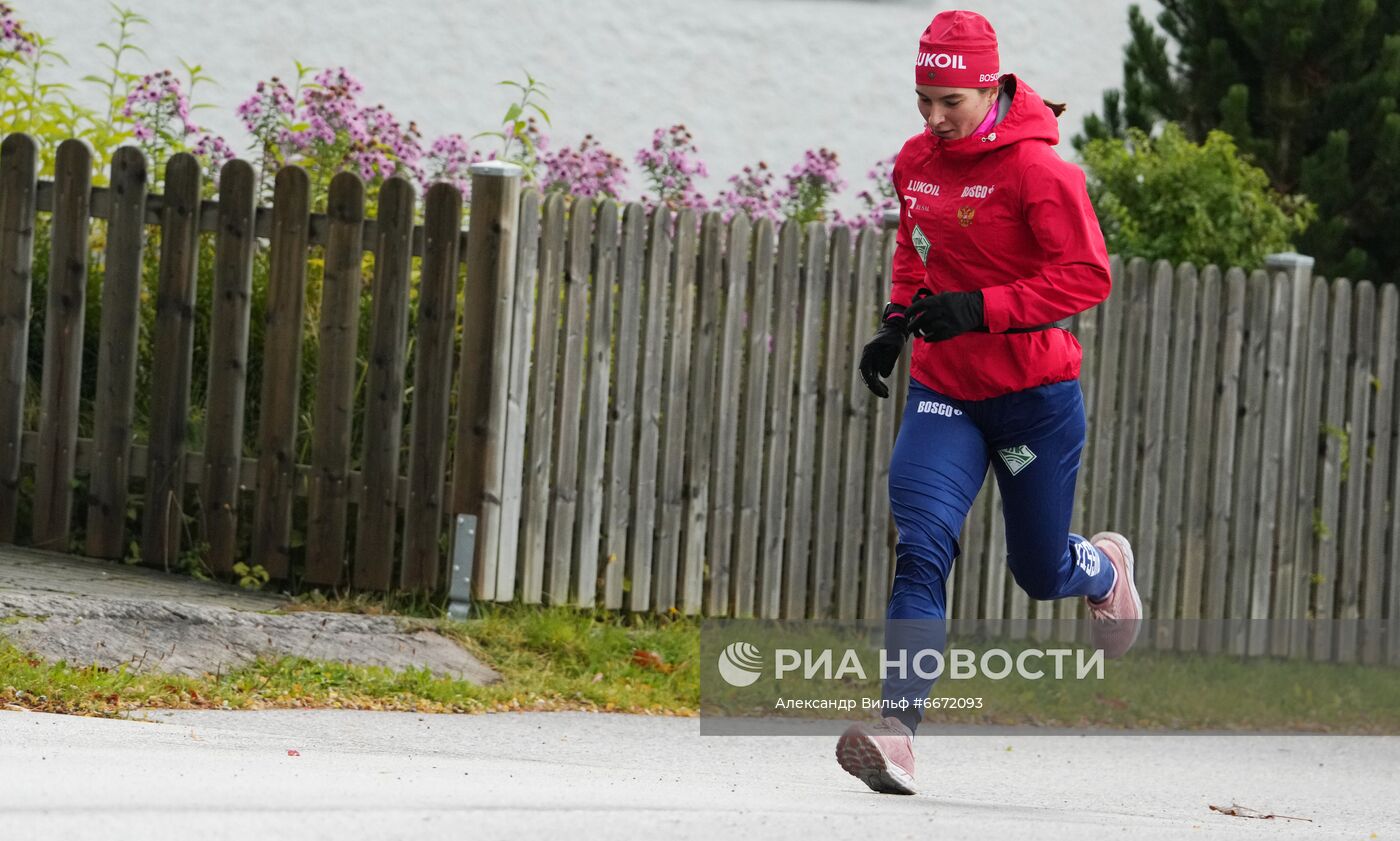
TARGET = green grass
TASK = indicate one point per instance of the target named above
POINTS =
(567, 659)
(549, 658)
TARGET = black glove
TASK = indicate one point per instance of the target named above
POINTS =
(945, 315)
(880, 354)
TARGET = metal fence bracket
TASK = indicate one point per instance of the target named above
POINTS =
(459, 594)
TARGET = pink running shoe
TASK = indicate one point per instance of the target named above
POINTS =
(880, 754)
(1118, 618)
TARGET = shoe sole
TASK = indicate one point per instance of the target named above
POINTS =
(861, 757)
(1127, 549)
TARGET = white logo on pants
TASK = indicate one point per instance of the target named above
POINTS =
(1087, 557)
(930, 407)
(1016, 458)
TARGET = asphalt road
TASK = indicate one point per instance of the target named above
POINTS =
(217, 775)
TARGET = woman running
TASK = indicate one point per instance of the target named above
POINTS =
(997, 241)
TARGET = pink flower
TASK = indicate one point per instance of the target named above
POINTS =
(875, 204)
(810, 185)
(589, 170)
(449, 159)
(671, 165)
(157, 107)
(750, 192)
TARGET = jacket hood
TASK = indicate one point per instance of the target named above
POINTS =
(1028, 118)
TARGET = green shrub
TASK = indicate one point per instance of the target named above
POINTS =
(1167, 198)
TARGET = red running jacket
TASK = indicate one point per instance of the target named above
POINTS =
(1003, 213)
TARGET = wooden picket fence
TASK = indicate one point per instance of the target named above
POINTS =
(398, 519)
(1242, 430)
(659, 411)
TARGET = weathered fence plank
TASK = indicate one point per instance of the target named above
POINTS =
(797, 561)
(758, 352)
(972, 562)
(724, 409)
(19, 173)
(117, 353)
(1270, 459)
(1327, 520)
(864, 297)
(519, 333)
(230, 317)
(1296, 568)
(1391, 598)
(1298, 276)
(1132, 369)
(623, 419)
(1360, 391)
(281, 373)
(1018, 604)
(676, 389)
(337, 369)
(1372, 595)
(831, 408)
(996, 578)
(559, 557)
(1155, 395)
(1223, 481)
(478, 468)
(424, 513)
(881, 535)
(595, 403)
(539, 431)
(1247, 456)
(62, 373)
(778, 427)
(1201, 456)
(377, 525)
(641, 534)
(174, 346)
(978, 553)
(1175, 455)
(700, 433)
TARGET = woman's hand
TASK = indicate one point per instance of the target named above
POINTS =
(880, 354)
(936, 318)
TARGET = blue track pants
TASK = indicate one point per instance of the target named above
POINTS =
(1033, 440)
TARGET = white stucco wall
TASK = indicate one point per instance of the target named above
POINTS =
(752, 79)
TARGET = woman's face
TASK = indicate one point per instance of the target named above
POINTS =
(953, 113)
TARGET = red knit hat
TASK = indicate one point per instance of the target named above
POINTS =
(958, 50)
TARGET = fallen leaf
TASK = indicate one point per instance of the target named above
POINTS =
(1237, 811)
(650, 660)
